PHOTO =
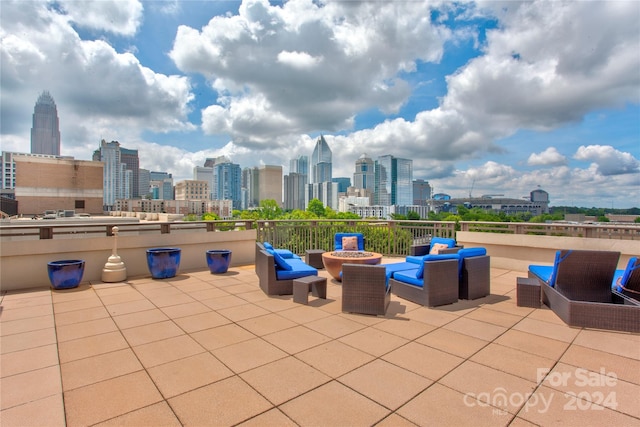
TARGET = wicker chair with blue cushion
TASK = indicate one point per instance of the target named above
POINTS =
(433, 283)
(276, 274)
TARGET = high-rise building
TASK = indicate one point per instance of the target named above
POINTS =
(144, 179)
(270, 183)
(343, 183)
(132, 161)
(299, 165)
(227, 183)
(393, 178)
(321, 167)
(421, 192)
(295, 185)
(161, 185)
(192, 190)
(250, 185)
(114, 174)
(205, 173)
(364, 176)
(45, 131)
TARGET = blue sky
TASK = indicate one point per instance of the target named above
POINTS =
(501, 96)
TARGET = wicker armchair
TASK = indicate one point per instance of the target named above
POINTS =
(364, 290)
(268, 277)
(439, 283)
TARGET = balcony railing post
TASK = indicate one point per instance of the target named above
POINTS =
(46, 233)
(165, 228)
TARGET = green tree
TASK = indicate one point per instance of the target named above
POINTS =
(269, 209)
(413, 215)
(316, 207)
(210, 216)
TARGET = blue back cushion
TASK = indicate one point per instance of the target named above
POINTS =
(280, 262)
(338, 240)
(556, 263)
(267, 246)
(632, 265)
(420, 273)
(468, 253)
(449, 242)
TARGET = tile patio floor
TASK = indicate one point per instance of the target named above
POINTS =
(202, 349)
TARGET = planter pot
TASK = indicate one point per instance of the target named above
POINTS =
(218, 260)
(163, 263)
(65, 274)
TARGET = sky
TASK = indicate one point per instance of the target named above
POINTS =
(486, 97)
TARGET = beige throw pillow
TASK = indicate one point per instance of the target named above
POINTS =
(435, 248)
(350, 243)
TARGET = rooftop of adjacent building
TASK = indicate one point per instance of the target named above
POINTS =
(203, 349)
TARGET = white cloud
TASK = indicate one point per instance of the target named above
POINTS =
(115, 16)
(298, 59)
(550, 156)
(317, 66)
(607, 160)
(99, 92)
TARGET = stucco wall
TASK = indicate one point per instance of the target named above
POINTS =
(518, 251)
(23, 264)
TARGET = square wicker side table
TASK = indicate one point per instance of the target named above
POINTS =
(313, 257)
(528, 292)
(301, 287)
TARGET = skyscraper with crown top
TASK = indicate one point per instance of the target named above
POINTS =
(45, 131)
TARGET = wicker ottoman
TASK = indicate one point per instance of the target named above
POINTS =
(528, 292)
(313, 257)
(301, 287)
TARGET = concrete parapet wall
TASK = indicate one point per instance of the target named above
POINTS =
(23, 264)
(518, 251)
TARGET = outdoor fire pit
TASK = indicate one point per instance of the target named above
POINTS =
(333, 260)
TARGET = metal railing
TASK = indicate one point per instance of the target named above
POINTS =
(387, 237)
(594, 231)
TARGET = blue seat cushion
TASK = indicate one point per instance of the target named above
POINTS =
(410, 277)
(542, 272)
(390, 269)
(427, 258)
(298, 269)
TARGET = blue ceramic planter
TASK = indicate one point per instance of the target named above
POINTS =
(163, 263)
(65, 274)
(218, 260)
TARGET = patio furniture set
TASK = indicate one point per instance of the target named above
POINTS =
(445, 274)
(585, 290)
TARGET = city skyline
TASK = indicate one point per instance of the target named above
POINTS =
(491, 97)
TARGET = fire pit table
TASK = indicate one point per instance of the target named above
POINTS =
(333, 260)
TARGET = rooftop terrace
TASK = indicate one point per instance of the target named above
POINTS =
(203, 349)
